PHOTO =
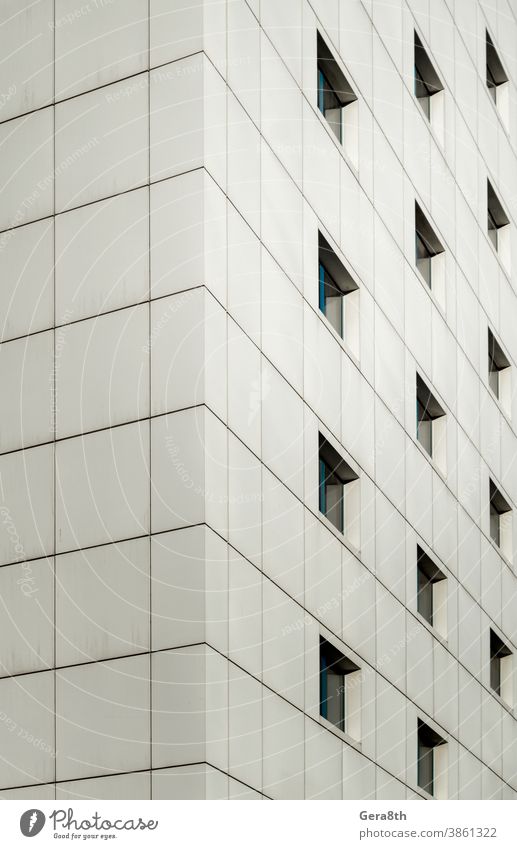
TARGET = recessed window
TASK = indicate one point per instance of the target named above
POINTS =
(501, 521)
(337, 101)
(431, 593)
(498, 226)
(430, 255)
(339, 690)
(428, 88)
(499, 374)
(497, 80)
(501, 668)
(432, 761)
(430, 424)
(338, 492)
(338, 295)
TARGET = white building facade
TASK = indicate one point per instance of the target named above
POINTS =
(258, 370)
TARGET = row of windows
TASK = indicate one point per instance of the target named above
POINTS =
(338, 104)
(339, 302)
(339, 498)
(340, 699)
(338, 482)
(336, 97)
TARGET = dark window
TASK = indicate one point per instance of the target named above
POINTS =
(334, 475)
(331, 299)
(428, 740)
(428, 575)
(427, 246)
(427, 82)
(331, 495)
(334, 91)
(496, 216)
(427, 410)
(498, 650)
(424, 427)
(335, 283)
(334, 667)
(499, 507)
(329, 103)
(497, 362)
(495, 73)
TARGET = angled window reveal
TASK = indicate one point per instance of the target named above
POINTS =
(431, 593)
(338, 492)
(499, 373)
(432, 761)
(337, 101)
(338, 295)
(501, 521)
(429, 255)
(429, 90)
(501, 668)
(498, 226)
(339, 690)
(497, 80)
(430, 424)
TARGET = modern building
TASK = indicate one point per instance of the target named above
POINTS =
(258, 311)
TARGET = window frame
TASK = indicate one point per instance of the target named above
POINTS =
(334, 470)
(331, 658)
(428, 250)
(496, 79)
(499, 507)
(347, 290)
(429, 583)
(499, 652)
(498, 371)
(430, 424)
(428, 741)
(425, 77)
(498, 224)
(331, 79)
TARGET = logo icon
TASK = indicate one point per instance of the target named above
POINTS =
(31, 822)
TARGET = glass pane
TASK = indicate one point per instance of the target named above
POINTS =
(321, 91)
(336, 698)
(424, 428)
(425, 767)
(331, 492)
(322, 488)
(321, 281)
(331, 300)
(329, 104)
(425, 596)
(495, 674)
(323, 684)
